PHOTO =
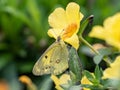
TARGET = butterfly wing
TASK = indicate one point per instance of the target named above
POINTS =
(48, 62)
(59, 59)
(42, 66)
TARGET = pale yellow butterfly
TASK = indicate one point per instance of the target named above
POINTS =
(54, 60)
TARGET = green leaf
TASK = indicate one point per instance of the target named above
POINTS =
(65, 86)
(98, 58)
(71, 87)
(46, 84)
(89, 76)
(75, 65)
(36, 19)
(92, 87)
(5, 59)
(3, 46)
(114, 84)
(18, 14)
(97, 73)
(85, 23)
(105, 51)
(34, 11)
(102, 53)
(77, 87)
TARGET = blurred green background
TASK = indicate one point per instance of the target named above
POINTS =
(23, 36)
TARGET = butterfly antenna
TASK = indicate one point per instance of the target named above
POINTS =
(62, 32)
(59, 36)
(55, 33)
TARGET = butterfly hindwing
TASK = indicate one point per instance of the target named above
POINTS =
(54, 60)
(59, 59)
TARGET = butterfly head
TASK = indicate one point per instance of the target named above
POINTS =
(59, 37)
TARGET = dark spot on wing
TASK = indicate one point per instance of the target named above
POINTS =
(46, 56)
(50, 61)
(47, 67)
(57, 61)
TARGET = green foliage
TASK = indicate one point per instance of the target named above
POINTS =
(75, 66)
(103, 53)
(94, 78)
(98, 73)
(97, 81)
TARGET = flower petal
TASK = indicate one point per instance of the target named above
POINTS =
(116, 62)
(113, 42)
(69, 31)
(74, 41)
(55, 79)
(113, 72)
(110, 32)
(85, 81)
(81, 16)
(66, 23)
(64, 79)
(59, 81)
(113, 22)
(58, 19)
(72, 12)
(97, 32)
(54, 33)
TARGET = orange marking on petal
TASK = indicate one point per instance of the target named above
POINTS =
(69, 31)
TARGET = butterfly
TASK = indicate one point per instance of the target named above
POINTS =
(54, 60)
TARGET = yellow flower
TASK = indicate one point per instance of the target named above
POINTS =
(59, 81)
(64, 80)
(85, 81)
(113, 71)
(66, 24)
(110, 31)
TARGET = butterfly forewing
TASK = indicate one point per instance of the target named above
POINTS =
(42, 66)
(52, 60)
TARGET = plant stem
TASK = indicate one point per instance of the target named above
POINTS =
(106, 59)
(84, 41)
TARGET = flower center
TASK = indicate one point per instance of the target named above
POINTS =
(69, 31)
